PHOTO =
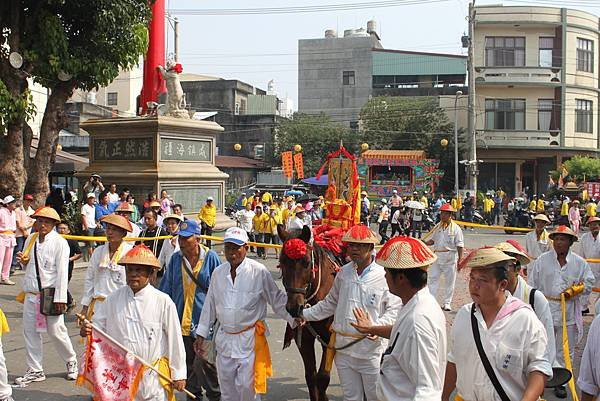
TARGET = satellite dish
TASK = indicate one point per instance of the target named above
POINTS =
(15, 60)
(64, 76)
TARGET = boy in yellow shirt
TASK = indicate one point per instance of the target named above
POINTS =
(259, 223)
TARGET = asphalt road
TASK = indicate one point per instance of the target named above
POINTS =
(287, 383)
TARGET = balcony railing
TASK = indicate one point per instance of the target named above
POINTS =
(520, 139)
(517, 75)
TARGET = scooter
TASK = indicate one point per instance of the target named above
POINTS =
(518, 218)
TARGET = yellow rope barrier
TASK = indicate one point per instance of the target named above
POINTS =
(570, 292)
(507, 228)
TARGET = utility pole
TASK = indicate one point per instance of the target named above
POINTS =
(473, 168)
(176, 38)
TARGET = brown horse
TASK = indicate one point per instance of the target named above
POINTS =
(307, 280)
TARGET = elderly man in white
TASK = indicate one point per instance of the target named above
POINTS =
(499, 329)
(537, 241)
(413, 366)
(555, 272)
(590, 249)
(359, 284)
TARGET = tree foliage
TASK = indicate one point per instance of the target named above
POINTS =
(65, 45)
(317, 135)
(583, 168)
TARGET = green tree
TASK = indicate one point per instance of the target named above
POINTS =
(412, 123)
(583, 168)
(64, 45)
(317, 135)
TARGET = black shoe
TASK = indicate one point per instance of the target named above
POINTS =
(585, 311)
(560, 392)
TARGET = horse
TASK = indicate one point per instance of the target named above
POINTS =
(307, 280)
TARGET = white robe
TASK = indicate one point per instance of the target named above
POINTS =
(515, 345)
(245, 217)
(535, 247)
(414, 369)
(589, 372)
(147, 324)
(368, 291)
(167, 250)
(102, 276)
(590, 249)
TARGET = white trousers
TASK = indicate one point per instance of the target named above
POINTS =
(358, 377)
(435, 272)
(572, 335)
(5, 388)
(236, 378)
(57, 331)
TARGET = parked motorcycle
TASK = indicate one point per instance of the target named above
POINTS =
(518, 218)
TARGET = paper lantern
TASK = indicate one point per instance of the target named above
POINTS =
(297, 148)
(364, 147)
(444, 142)
(237, 147)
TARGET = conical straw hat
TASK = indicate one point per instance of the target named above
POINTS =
(119, 221)
(47, 212)
(405, 253)
(484, 257)
(511, 250)
(140, 255)
(360, 234)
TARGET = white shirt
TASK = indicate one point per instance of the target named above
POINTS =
(542, 311)
(368, 291)
(104, 276)
(590, 249)
(239, 305)
(515, 345)
(135, 231)
(167, 250)
(53, 260)
(414, 369)
(446, 241)
(295, 223)
(147, 324)
(589, 372)
(535, 247)
(89, 214)
(113, 197)
(367, 202)
(396, 217)
(245, 218)
(549, 277)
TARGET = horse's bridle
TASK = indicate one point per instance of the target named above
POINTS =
(304, 291)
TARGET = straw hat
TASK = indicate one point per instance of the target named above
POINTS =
(563, 230)
(140, 255)
(360, 234)
(511, 250)
(154, 204)
(484, 257)
(299, 209)
(47, 212)
(592, 219)
(542, 217)
(446, 207)
(173, 216)
(124, 207)
(118, 221)
(364, 193)
(405, 253)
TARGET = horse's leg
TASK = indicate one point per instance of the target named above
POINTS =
(307, 352)
(323, 377)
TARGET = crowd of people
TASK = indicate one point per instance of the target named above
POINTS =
(174, 301)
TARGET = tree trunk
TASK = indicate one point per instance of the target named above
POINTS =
(54, 120)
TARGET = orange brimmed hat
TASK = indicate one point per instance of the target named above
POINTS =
(405, 253)
(47, 212)
(542, 217)
(155, 204)
(119, 221)
(592, 219)
(140, 255)
(484, 257)
(124, 207)
(360, 234)
(563, 230)
(446, 207)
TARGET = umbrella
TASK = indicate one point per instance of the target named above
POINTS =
(414, 205)
(323, 181)
(307, 198)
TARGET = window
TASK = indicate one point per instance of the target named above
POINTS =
(546, 49)
(111, 98)
(236, 109)
(504, 51)
(584, 116)
(505, 114)
(585, 55)
(545, 114)
(348, 78)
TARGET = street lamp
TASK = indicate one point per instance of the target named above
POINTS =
(456, 96)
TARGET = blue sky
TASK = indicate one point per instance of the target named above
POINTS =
(257, 48)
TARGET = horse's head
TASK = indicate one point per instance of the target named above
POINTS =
(296, 264)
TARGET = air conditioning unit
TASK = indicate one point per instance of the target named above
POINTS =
(259, 152)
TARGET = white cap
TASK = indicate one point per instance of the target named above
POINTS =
(236, 235)
(384, 201)
(8, 199)
(210, 198)
(90, 195)
(395, 191)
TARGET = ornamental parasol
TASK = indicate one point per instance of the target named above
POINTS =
(414, 205)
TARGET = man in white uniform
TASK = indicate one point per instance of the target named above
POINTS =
(590, 249)
(519, 288)
(538, 241)
(555, 272)
(359, 284)
(412, 368)
(172, 222)
(448, 243)
(299, 220)
(145, 321)
(589, 372)
(52, 254)
(244, 218)
(104, 274)
(512, 338)
(237, 298)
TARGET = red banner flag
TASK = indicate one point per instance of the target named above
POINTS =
(287, 164)
(299, 165)
(110, 373)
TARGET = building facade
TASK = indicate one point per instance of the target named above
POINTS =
(536, 93)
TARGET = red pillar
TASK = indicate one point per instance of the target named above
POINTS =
(154, 85)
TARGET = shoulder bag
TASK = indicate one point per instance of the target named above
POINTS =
(46, 294)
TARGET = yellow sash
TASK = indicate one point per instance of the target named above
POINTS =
(3, 323)
(330, 351)
(262, 359)
(25, 256)
(162, 365)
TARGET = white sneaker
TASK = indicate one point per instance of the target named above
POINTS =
(31, 376)
(72, 371)
(8, 399)
(447, 307)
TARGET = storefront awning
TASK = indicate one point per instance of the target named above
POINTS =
(394, 154)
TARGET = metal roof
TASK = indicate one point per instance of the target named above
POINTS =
(399, 62)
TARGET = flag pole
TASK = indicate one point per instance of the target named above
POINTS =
(139, 359)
